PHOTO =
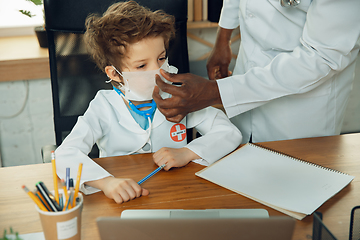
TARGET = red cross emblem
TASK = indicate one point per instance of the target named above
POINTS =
(178, 132)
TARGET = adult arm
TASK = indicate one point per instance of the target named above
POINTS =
(328, 45)
(220, 57)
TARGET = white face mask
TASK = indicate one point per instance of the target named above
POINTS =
(139, 86)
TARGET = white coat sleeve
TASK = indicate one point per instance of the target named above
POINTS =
(229, 17)
(77, 145)
(328, 46)
(219, 135)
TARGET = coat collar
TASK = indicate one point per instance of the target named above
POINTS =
(124, 116)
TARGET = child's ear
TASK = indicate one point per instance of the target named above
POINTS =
(112, 74)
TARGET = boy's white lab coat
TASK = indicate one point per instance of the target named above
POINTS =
(109, 123)
(295, 67)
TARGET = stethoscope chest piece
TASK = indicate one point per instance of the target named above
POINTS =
(146, 147)
(289, 3)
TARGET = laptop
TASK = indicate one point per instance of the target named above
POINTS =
(196, 224)
(206, 213)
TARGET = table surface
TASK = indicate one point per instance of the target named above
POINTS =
(180, 189)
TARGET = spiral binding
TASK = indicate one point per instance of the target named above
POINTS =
(296, 159)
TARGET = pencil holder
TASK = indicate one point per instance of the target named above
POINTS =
(63, 224)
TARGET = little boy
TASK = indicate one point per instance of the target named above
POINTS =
(129, 44)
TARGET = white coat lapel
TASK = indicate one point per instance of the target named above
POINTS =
(122, 112)
(158, 119)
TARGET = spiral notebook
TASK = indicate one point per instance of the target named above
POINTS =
(289, 185)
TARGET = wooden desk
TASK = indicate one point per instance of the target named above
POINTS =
(21, 58)
(180, 188)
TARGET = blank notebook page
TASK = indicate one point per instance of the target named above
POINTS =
(276, 179)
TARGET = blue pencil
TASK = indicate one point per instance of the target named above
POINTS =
(151, 174)
(67, 179)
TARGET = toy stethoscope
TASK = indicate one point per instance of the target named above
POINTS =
(289, 3)
(146, 113)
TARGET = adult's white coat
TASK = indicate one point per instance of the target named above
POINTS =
(295, 67)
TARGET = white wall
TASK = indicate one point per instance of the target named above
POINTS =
(26, 122)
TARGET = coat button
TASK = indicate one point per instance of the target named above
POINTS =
(250, 15)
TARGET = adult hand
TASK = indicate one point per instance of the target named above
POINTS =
(220, 57)
(193, 94)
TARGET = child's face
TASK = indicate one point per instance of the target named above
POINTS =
(145, 55)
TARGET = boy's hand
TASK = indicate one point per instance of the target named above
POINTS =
(119, 189)
(174, 157)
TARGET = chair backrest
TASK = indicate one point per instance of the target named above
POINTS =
(354, 233)
(75, 79)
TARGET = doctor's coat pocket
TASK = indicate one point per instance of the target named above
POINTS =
(286, 26)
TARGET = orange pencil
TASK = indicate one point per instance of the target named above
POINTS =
(34, 198)
(56, 190)
(38, 195)
(77, 184)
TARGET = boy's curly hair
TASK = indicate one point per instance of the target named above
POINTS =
(124, 23)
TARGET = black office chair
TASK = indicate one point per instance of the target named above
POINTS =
(354, 232)
(320, 231)
(75, 78)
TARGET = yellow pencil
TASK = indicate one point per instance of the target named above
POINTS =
(65, 193)
(34, 198)
(77, 184)
(56, 190)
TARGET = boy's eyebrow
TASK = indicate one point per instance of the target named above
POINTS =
(138, 61)
(162, 52)
(142, 60)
